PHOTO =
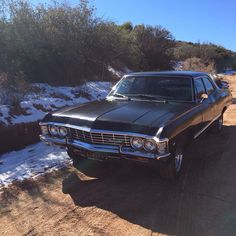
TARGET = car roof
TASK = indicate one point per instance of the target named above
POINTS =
(169, 73)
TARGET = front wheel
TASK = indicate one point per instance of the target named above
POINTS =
(173, 168)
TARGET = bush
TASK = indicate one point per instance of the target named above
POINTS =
(60, 44)
(12, 89)
(207, 52)
(197, 64)
(153, 45)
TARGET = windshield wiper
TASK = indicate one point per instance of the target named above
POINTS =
(147, 96)
(120, 95)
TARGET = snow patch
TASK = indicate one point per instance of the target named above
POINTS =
(30, 162)
(49, 98)
(39, 158)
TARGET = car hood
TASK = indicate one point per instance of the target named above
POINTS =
(144, 117)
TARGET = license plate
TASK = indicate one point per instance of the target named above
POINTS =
(95, 155)
(91, 155)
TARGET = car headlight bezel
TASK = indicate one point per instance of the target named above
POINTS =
(162, 147)
(44, 129)
(134, 141)
(53, 130)
(150, 142)
(62, 131)
(159, 146)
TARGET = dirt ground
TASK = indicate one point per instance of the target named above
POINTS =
(130, 199)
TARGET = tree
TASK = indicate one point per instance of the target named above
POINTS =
(153, 44)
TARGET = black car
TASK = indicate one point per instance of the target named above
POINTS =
(147, 117)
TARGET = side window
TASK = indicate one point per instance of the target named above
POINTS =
(208, 85)
(199, 88)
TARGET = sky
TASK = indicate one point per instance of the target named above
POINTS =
(189, 20)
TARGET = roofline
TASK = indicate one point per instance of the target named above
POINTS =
(168, 73)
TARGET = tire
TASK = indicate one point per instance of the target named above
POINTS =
(218, 125)
(76, 159)
(173, 169)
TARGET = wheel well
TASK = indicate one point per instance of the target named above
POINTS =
(185, 138)
(223, 111)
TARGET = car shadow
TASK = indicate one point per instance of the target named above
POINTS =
(137, 194)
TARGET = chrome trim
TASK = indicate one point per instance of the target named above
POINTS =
(145, 148)
(52, 140)
(66, 125)
(105, 131)
(142, 154)
(132, 145)
(93, 147)
(102, 148)
(202, 130)
(158, 134)
(115, 149)
(76, 117)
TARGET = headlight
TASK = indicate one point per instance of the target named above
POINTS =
(150, 145)
(137, 143)
(44, 129)
(53, 130)
(162, 147)
(63, 131)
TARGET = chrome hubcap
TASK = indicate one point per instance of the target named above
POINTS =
(178, 162)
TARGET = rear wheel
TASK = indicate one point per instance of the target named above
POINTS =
(75, 157)
(173, 168)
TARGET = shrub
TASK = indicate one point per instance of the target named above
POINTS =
(153, 45)
(207, 52)
(60, 44)
(197, 64)
(12, 89)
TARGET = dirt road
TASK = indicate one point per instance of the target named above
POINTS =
(128, 199)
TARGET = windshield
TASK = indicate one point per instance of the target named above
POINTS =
(155, 87)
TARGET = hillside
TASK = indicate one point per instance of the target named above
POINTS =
(43, 98)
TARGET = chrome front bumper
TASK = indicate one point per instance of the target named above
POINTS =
(128, 151)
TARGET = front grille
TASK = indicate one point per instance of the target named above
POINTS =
(100, 138)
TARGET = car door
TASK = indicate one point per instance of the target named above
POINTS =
(205, 105)
(213, 97)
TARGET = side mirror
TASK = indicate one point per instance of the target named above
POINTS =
(203, 97)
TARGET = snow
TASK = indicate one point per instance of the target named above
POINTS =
(178, 65)
(37, 159)
(49, 98)
(4, 113)
(230, 72)
(30, 162)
